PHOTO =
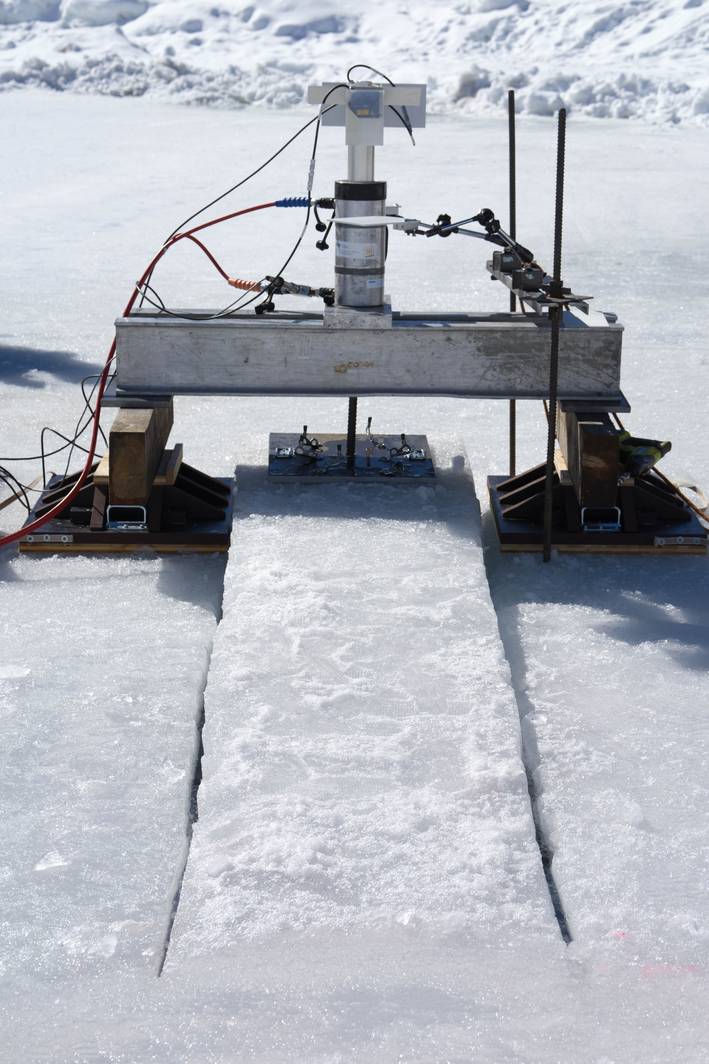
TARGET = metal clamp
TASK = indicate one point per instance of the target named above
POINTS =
(126, 518)
(601, 519)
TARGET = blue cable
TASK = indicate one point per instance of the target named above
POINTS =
(294, 201)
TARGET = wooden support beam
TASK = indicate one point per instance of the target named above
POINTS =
(169, 467)
(589, 444)
(135, 447)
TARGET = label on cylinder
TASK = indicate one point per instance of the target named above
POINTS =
(350, 249)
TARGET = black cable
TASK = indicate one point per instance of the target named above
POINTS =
(19, 490)
(252, 174)
(313, 155)
(90, 408)
(237, 304)
(49, 454)
(244, 180)
(405, 121)
(371, 69)
(271, 288)
(406, 124)
(149, 288)
(160, 305)
(20, 484)
(69, 441)
(45, 454)
(79, 428)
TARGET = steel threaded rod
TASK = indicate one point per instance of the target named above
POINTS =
(555, 314)
(559, 211)
(512, 153)
(351, 432)
(512, 172)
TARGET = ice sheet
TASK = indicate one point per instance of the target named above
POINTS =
(293, 999)
(611, 662)
(361, 765)
(102, 666)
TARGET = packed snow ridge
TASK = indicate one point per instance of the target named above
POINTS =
(636, 59)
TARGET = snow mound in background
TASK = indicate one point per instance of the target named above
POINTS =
(643, 59)
(102, 12)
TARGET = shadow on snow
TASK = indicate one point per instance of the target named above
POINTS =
(17, 362)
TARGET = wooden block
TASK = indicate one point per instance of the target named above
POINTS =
(136, 444)
(169, 467)
(98, 508)
(589, 444)
(101, 472)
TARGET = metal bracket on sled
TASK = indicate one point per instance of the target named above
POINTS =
(607, 497)
(139, 496)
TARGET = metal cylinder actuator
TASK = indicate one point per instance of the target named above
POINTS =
(365, 109)
(359, 252)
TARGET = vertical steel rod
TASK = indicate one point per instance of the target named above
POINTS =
(555, 313)
(512, 154)
(360, 167)
(351, 432)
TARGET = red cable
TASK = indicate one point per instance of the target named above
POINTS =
(209, 255)
(12, 537)
(189, 233)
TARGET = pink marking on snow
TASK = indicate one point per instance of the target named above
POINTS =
(650, 970)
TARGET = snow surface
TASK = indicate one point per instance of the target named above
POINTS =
(95, 184)
(638, 58)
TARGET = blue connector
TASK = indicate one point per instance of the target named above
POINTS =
(294, 201)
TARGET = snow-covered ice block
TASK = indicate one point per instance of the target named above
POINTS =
(611, 660)
(102, 666)
(362, 757)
